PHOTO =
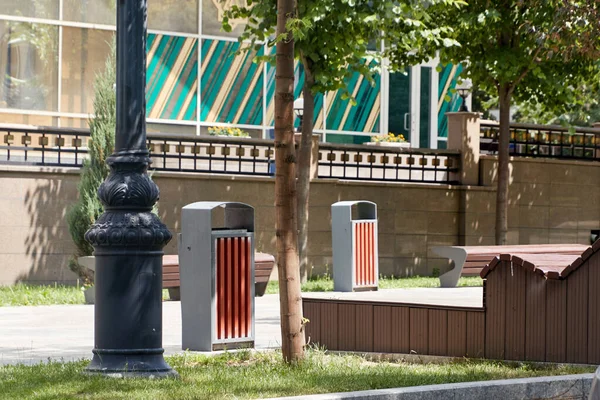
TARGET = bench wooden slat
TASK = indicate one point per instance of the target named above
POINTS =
(473, 259)
(171, 276)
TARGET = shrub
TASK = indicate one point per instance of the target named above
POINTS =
(224, 131)
(88, 208)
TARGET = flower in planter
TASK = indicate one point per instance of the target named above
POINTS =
(389, 137)
(225, 131)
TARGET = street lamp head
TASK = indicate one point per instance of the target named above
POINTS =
(299, 107)
(464, 89)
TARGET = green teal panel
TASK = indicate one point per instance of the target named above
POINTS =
(171, 77)
(399, 103)
(448, 78)
(232, 85)
(364, 116)
(425, 107)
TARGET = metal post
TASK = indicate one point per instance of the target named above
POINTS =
(128, 238)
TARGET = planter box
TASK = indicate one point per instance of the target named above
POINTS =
(405, 145)
(90, 295)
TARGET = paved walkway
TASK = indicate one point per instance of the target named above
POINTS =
(29, 335)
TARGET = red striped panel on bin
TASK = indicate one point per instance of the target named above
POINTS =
(364, 254)
(234, 301)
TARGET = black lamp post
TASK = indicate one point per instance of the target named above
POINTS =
(299, 111)
(128, 238)
(463, 89)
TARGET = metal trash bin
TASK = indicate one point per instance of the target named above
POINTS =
(217, 276)
(355, 246)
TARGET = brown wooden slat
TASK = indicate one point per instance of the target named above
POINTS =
(312, 311)
(260, 279)
(438, 332)
(535, 317)
(577, 315)
(556, 320)
(457, 333)
(495, 322)
(516, 286)
(171, 284)
(329, 325)
(400, 329)
(382, 329)
(419, 318)
(476, 326)
(472, 271)
(525, 248)
(593, 339)
(347, 327)
(170, 269)
(364, 328)
(173, 276)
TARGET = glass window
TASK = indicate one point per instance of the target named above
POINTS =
(30, 8)
(76, 123)
(173, 15)
(90, 11)
(24, 119)
(84, 56)
(172, 77)
(28, 63)
(212, 18)
(347, 139)
(364, 116)
(232, 85)
(170, 129)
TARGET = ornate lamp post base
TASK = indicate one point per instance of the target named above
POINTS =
(128, 240)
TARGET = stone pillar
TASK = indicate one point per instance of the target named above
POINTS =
(314, 160)
(463, 135)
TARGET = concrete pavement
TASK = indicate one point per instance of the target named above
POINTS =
(29, 335)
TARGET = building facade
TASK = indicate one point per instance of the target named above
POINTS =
(51, 50)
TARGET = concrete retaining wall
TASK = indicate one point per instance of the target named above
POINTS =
(550, 202)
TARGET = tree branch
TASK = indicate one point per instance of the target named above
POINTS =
(525, 70)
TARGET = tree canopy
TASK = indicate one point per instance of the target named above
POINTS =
(335, 39)
(528, 50)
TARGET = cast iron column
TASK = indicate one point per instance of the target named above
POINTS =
(128, 238)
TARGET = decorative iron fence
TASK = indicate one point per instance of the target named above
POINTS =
(382, 163)
(60, 147)
(551, 141)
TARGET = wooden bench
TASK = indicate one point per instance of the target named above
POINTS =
(263, 265)
(470, 260)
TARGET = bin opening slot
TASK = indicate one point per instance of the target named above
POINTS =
(364, 211)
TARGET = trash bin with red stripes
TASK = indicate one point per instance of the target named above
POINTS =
(216, 253)
(354, 242)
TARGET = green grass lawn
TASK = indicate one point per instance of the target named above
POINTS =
(247, 375)
(35, 295)
(325, 284)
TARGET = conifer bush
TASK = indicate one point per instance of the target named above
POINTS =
(101, 143)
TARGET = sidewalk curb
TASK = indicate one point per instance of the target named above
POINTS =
(555, 387)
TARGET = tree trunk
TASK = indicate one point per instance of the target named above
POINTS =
(503, 170)
(304, 164)
(292, 330)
